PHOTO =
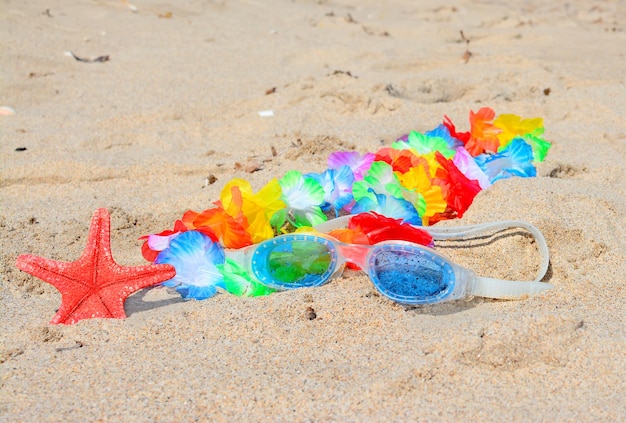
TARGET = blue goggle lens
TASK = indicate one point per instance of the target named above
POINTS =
(411, 275)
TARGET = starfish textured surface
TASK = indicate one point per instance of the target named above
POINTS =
(94, 286)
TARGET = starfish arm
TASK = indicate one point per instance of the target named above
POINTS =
(128, 280)
(53, 272)
(90, 306)
(99, 239)
(140, 277)
(106, 299)
(74, 291)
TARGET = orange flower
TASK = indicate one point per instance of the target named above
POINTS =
(228, 231)
(483, 134)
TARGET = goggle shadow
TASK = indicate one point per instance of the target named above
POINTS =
(447, 307)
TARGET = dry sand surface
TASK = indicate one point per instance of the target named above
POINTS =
(178, 100)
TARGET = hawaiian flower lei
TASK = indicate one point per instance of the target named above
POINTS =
(420, 180)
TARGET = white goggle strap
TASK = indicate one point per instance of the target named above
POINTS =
(503, 289)
(332, 224)
(471, 231)
(499, 288)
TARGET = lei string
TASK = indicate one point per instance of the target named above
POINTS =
(226, 228)
(379, 179)
(464, 137)
(420, 179)
(442, 131)
(254, 209)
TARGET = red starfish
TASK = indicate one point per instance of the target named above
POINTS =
(94, 285)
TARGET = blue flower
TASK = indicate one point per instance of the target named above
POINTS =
(337, 184)
(389, 206)
(515, 160)
(195, 258)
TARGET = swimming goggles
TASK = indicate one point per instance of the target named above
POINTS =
(402, 271)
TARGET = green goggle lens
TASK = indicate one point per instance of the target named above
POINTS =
(294, 263)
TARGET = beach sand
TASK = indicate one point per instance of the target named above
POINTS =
(178, 101)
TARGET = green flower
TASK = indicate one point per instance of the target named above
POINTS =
(303, 196)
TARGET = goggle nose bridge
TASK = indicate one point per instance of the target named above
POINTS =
(354, 253)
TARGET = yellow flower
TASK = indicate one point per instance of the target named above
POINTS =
(257, 208)
(431, 202)
(514, 126)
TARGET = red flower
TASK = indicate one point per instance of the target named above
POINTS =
(380, 228)
(483, 135)
(458, 190)
(371, 228)
(461, 136)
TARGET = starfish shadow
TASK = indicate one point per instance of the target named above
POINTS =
(136, 303)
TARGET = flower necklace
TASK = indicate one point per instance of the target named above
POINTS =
(420, 179)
